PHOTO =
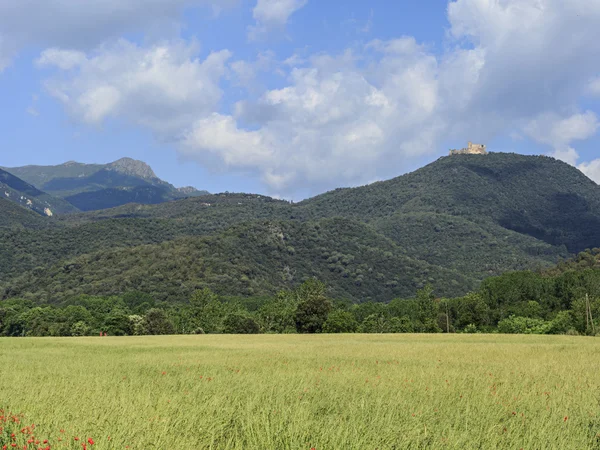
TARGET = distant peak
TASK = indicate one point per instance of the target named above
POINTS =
(133, 167)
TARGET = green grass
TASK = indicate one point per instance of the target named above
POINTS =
(297, 392)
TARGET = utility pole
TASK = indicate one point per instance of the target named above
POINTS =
(589, 305)
(587, 312)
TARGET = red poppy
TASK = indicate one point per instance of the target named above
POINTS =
(90, 441)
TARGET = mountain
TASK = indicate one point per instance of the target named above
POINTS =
(91, 187)
(453, 223)
(24, 194)
(540, 198)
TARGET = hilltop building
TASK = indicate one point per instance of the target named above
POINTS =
(472, 149)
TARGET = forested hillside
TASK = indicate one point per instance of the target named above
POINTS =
(536, 196)
(257, 258)
(452, 223)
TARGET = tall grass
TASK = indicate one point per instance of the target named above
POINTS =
(303, 392)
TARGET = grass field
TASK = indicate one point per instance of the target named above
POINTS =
(303, 392)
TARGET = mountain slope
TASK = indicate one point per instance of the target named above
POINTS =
(24, 194)
(249, 259)
(475, 216)
(536, 196)
(96, 186)
(14, 216)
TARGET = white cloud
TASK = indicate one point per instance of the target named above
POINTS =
(164, 87)
(272, 15)
(550, 128)
(63, 59)
(509, 66)
(560, 132)
(591, 169)
(82, 25)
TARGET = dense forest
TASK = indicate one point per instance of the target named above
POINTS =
(562, 300)
(458, 228)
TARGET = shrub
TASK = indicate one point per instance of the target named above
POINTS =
(524, 325)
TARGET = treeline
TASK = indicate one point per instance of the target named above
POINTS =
(565, 300)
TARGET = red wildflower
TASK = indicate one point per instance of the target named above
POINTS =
(566, 418)
(76, 438)
(90, 441)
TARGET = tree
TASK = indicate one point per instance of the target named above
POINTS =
(340, 321)
(427, 311)
(80, 329)
(400, 325)
(375, 323)
(117, 324)
(237, 323)
(278, 315)
(313, 307)
(137, 324)
(157, 322)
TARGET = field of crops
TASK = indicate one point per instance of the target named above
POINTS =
(301, 392)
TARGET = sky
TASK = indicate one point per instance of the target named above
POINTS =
(291, 98)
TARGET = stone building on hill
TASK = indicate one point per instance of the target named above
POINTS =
(472, 149)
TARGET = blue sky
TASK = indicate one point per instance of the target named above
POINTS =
(294, 97)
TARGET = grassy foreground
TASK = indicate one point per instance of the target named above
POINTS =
(303, 392)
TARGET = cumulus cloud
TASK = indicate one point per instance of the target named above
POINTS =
(591, 169)
(560, 132)
(164, 87)
(272, 15)
(508, 66)
(351, 118)
(82, 25)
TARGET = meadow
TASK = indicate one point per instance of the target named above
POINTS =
(301, 392)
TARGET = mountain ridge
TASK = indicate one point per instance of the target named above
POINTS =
(473, 216)
(96, 186)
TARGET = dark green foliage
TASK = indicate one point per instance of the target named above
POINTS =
(237, 323)
(15, 219)
(313, 307)
(251, 259)
(536, 196)
(451, 224)
(339, 321)
(157, 322)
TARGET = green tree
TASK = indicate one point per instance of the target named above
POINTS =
(236, 323)
(157, 322)
(340, 321)
(80, 329)
(313, 307)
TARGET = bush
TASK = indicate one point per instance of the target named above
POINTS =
(524, 325)
(471, 329)
(562, 323)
